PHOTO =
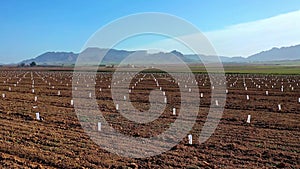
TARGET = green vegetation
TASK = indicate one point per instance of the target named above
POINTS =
(264, 69)
(32, 64)
(254, 69)
(229, 69)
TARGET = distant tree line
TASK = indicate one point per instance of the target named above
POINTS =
(32, 64)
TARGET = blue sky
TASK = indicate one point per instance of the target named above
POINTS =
(29, 28)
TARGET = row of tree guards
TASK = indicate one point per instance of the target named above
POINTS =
(38, 117)
(190, 136)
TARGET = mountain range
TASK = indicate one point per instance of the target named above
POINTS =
(114, 56)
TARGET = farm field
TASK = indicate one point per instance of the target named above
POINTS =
(270, 140)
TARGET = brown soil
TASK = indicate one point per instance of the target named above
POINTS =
(272, 140)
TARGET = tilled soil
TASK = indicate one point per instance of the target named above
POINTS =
(271, 140)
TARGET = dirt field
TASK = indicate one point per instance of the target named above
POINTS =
(271, 140)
